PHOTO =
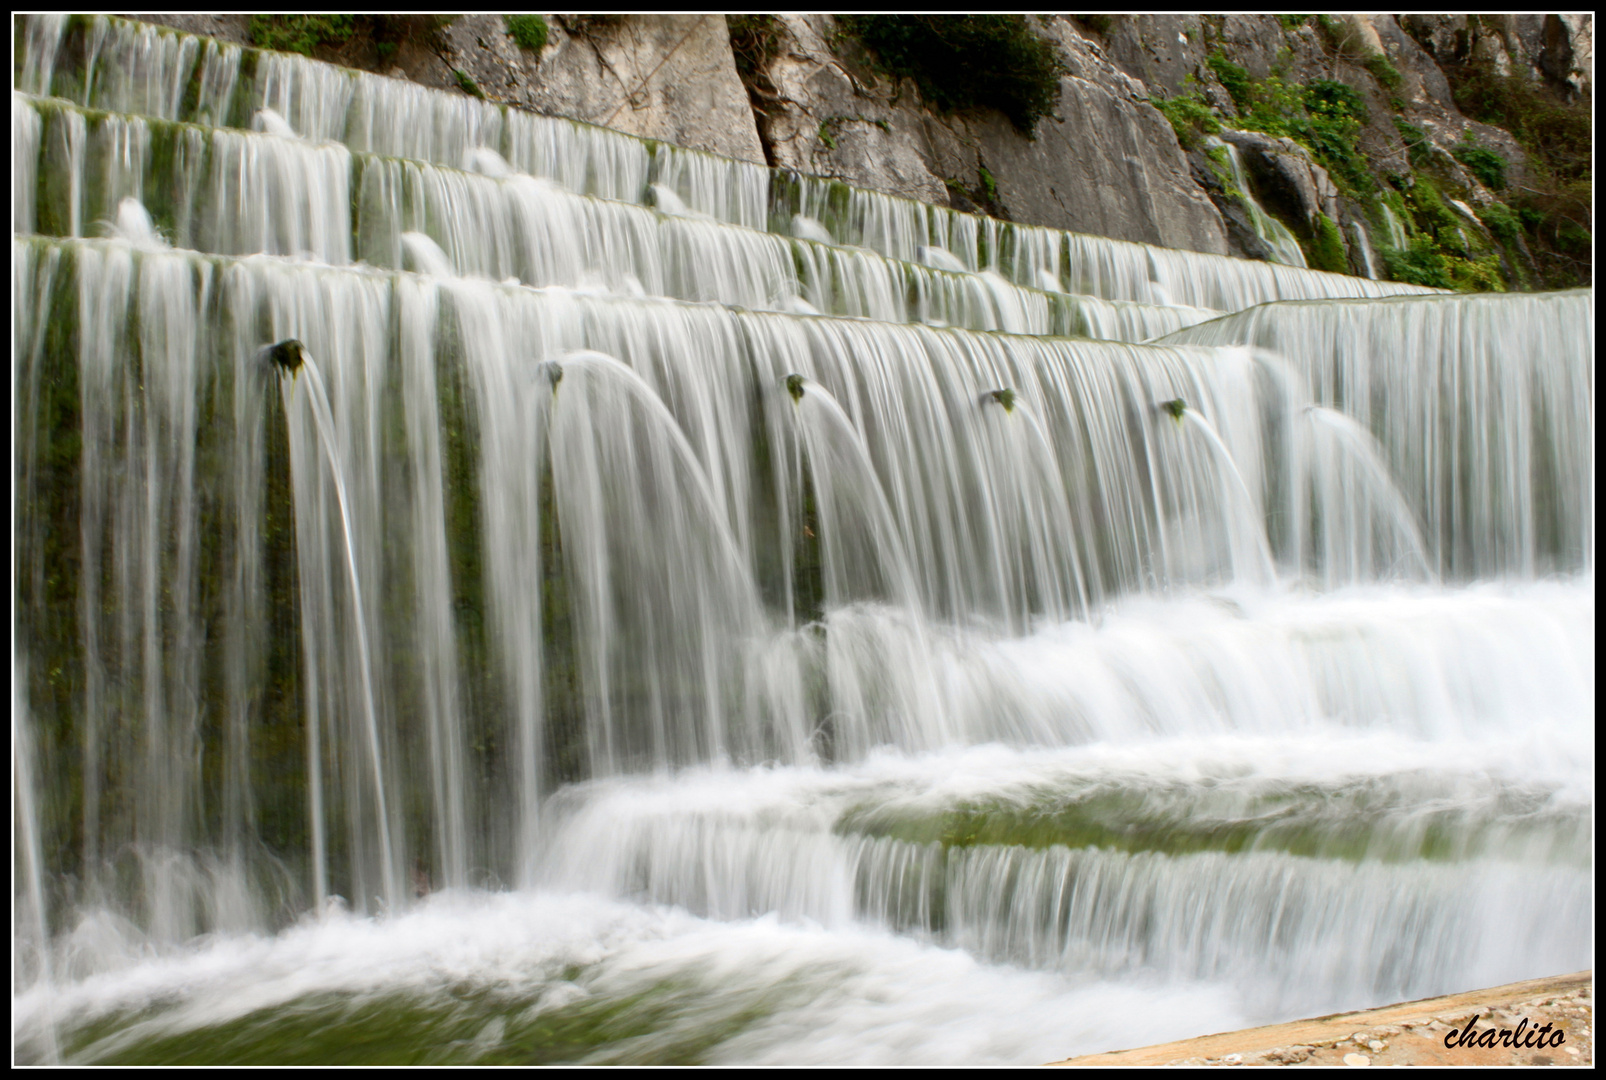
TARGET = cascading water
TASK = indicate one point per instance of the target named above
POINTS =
(1284, 247)
(586, 656)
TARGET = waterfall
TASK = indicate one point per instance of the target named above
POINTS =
(491, 589)
(1284, 248)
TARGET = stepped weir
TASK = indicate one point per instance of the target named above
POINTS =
(491, 589)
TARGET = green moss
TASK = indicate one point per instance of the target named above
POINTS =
(1326, 248)
(967, 61)
(1572, 238)
(1376, 823)
(467, 84)
(1294, 22)
(677, 1021)
(989, 186)
(825, 135)
(1221, 165)
(1431, 214)
(529, 31)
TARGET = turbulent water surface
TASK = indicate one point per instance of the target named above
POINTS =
(492, 590)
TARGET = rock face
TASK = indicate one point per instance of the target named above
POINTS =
(1108, 163)
(1555, 47)
(669, 77)
(1299, 189)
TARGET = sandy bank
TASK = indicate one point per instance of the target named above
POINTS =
(1410, 1033)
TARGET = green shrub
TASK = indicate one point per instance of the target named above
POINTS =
(1293, 22)
(1419, 264)
(1336, 100)
(1417, 147)
(466, 83)
(1499, 219)
(305, 34)
(1190, 118)
(1384, 71)
(1572, 238)
(989, 186)
(1476, 275)
(964, 61)
(300, 33)
(1326, 250)
(528, 31)
(1556, 203)
(1233, 77)
(1487, 165)
(1431, 215)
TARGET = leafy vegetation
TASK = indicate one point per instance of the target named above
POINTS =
(1555, 200)
(529, 31)
(1418, 264)
(1324, 96)
(1190, 118)
(967, 61)
(1499, 219)
(1234, 78)
(349, 35)
(1324, 117)
(1488, 166)
(1384, 71)
(300, 33)
(1417, 148)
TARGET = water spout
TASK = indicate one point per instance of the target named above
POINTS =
(323, 422)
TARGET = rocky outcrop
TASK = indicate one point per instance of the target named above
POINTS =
(1107, 163)
(1294, 188)
(669, 77)
(1559, 48)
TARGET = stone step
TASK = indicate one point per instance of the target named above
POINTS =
(133, 67)
(232, 192)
